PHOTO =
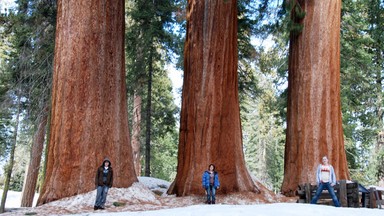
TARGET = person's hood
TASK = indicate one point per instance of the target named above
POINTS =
(107, 159)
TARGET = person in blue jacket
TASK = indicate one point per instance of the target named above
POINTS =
(326, 179)
(211, 183)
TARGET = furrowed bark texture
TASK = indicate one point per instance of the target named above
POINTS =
(30, 182)
(89, 111)
(210, 119)
(314, 126)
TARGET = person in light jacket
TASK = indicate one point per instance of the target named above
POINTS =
(211, 183)
(326, 179)
(103, 181)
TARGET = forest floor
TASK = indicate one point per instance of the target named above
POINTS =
(148, 194)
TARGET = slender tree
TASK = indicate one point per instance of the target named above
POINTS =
(9, 166)
(210, 130)
(38, 88)
(33, 169)
(136, 129)
(314, 126)
(148, 39)
(89, 110)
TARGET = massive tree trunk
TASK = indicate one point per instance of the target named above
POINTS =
(314, 127)
(210, 130)
(89, 111)
(34, 161)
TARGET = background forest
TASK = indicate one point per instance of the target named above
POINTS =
(154, 34)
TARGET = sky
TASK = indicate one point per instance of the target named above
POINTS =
(142, 202)
(6, 4)
(176, 77)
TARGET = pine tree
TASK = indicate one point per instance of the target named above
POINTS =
(149, 44)
(262, 112)
(361, 86)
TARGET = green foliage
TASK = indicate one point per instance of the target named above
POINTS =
(164, 158)
(263, 134)
(27, 41)
(118, 204)
(163, 131)
(380, 164)
(246, 52)
(30, 60)
(262, 77)
(150, 44)
(17, 182)
(165, 109)
(297, 14)
(361, 85)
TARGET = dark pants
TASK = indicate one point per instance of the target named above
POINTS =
(211, 193)
(101, 196)
(320, 189)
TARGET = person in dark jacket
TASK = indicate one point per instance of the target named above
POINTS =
(103, 181)
(211, 183)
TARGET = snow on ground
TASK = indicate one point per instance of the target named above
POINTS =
(283, 209)
(147, 197)
(14, 199)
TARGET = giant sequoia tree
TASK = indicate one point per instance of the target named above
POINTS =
(314, 126)
(89, 114)
(210, 130)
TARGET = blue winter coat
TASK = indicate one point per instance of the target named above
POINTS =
(205, 179)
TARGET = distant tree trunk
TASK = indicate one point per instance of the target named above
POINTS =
(89, 106)
(44, 167)
(9, 166)
(137, 102)
(136, 123)
(210, 130)
(314, 126)
(148, 120)
(34, 162)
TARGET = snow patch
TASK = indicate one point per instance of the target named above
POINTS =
(139, 199)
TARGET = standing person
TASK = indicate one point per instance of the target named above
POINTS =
(211, 183)
(326, 179)
(103, 181)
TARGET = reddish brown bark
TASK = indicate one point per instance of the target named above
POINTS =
(314, 126)
(34, 162)
(89, 110)
(210, 130)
